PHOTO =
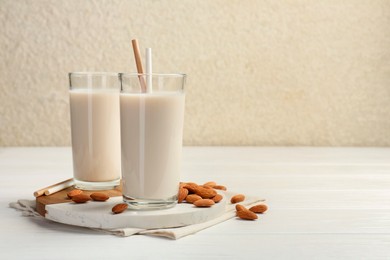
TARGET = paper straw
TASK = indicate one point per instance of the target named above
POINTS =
(148, 56)
(54, 188)
(138, 62)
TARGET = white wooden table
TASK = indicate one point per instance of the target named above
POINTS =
(325, 203)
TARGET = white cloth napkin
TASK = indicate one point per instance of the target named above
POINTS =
(28, 209)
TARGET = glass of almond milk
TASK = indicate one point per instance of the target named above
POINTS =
(151, 138)
(95, 127)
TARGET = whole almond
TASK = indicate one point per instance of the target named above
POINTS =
(205, 193)
(81, 198)
(99, 196)
(217, 198)
(246, 214)
(210, 184)
(183, 192)
(191, 198)
(204, 203)
(119, 208)
(261, 208)
(73, 193)
(191, 187)
(237, 198)
(240, 207)
(220, 187)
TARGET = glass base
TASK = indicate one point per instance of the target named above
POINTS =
(97, 185)
(149, 204)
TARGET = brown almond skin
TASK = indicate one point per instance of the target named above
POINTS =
(217, 198)
(246, 214)
(219, 187)
(205, 193)
(210, 184)
(240, 207)
(191, 198)
(261, 208)
(73, 193)
(81, 198)
(119, 208)
(99, 196)
(237, 198)
(204, 203)
(183, 192)
(191, 187)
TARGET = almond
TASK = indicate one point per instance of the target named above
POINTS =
(192, 198)
(73, 193)
(99, 196)
(119, 208)
(191, 187)
(205, 203)
(183, 192)
(81, 198)
(220, 187)
(240, 207)
(237, 198)
(210, 184)
(205, 193)
(217, 198)
(246, 214)
(261, 208)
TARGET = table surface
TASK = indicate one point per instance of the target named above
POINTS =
(325, 203)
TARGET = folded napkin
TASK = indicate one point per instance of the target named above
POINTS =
(28, 209)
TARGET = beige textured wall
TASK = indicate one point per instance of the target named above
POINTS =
(288, 72)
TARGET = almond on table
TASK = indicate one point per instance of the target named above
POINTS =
(246, 214)
(240, 207)
(261, 208)
(237, 198)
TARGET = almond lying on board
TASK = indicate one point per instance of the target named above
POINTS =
(210, 184)
(99, 196)
(191, 187)
(119, 208)
(81, 198)
(205, 193)
(217, 198)
(183, 192)
(219, 187)
(204, 203)
(73, 193)
(191, 198)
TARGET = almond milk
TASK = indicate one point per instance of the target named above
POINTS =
(95, 135)
(151, 132)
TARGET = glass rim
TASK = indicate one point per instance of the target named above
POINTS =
(135, 74)
(93, 73)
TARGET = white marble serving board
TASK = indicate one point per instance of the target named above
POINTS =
(95, 214)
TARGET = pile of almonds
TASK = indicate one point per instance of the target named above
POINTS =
(205, 195)
(200, 195)
(78, 196)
